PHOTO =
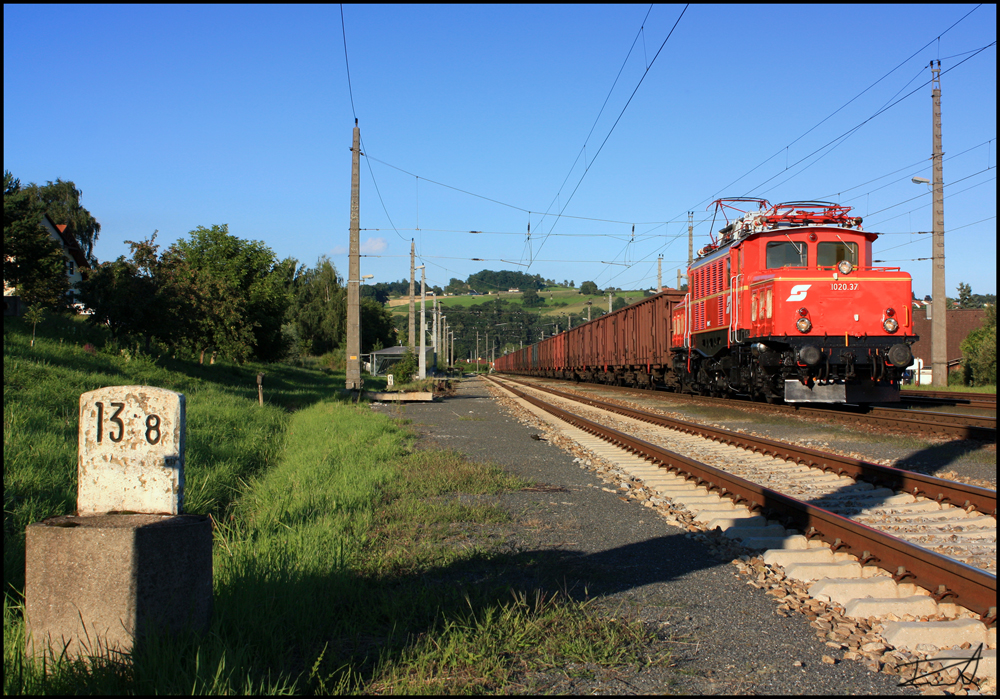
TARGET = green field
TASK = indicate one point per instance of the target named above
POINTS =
(576, 303)
(345, 559)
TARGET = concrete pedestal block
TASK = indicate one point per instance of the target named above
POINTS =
(99, 584)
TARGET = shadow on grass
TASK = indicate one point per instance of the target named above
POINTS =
(370, 623)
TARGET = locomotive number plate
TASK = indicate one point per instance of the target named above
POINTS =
(844, 286)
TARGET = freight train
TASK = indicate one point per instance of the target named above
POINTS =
(786, 304)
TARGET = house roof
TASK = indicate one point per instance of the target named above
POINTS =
(69, 242)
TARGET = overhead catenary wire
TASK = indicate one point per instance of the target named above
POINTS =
(583, 148)
(628, 251)
(350, 91)
(784, 148)
(854, 129)
(613, 126)
(836, 111)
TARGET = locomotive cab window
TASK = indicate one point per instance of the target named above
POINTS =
(786, 254)
(829, 254)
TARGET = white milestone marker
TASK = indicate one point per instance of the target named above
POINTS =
(131, 455)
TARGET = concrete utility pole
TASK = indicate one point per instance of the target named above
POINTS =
(939, 323)
(659, 273)
(609, 301)
(423, 327)
(434, 332)
(413, 329)
(354, 273)
(690, 238)
(678, 279)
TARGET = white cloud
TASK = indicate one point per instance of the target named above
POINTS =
(373, 245)
(368, 247)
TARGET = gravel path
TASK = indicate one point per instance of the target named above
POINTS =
(723, 635)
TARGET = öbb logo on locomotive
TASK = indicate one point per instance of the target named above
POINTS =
(799, 292)
(758, 318)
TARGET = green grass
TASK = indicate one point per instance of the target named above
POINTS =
(345, 560)
(956, 389)
(576, 303)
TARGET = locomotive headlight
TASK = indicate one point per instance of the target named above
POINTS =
(845, 267)
(804, 325)
(890, 325)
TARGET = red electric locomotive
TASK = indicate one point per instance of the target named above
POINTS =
(788, 304)
(785, 305)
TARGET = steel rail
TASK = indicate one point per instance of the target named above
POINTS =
(984, 421)
(958, 494)
(947, 579)
(925, 423)
(975, 427)
(957, 397)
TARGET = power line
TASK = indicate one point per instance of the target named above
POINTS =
(922, 160)
(349, 90)
(839, 109)
(583, 148)
(613, 126)
(953, 194)
(924, 194)
(851, 131)
(509, 206)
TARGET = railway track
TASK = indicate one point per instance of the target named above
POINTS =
(918, 530)
(960, 426)
(936, 424)
(985, 401)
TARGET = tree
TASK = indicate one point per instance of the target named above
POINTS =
(319, 309)
(247, 271)
(33, 262)
(379, 295)
(965, 296)
(377, 330)
(979, 350)
(126, 296)
(589, 289)
(61, 201)
(530, 298)
(456, 286)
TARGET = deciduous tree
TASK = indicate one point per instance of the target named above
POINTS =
(33, 262)
(245, 270)
(61, 201)
(979, 350)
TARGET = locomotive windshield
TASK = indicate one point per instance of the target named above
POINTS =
(829, 254)
(786, 254)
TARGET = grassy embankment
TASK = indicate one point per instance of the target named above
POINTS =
(952, 387)
(555, 297)
(336, 567)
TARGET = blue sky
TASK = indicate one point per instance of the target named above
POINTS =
(172, 117)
